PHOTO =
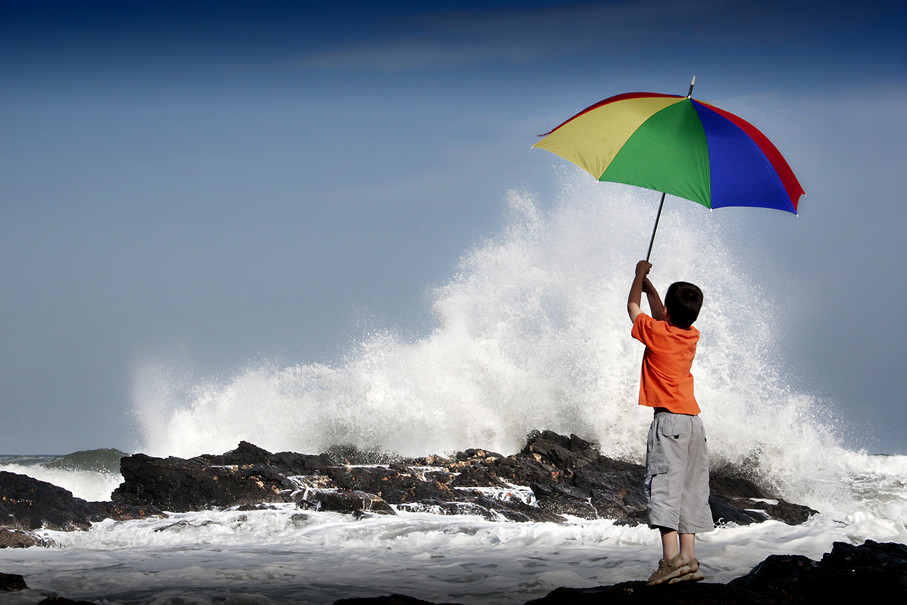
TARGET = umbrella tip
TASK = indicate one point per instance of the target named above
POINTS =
(692, 84)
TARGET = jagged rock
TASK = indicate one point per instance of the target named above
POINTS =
(350, 454)
(744, 511)
(11, 581)
(567, 475)
(564, 500)
(28, 504)
(179, 485)
(514, 510)
(392, 485)
(289, 463)
(16, 538)
(476, 477)
(870, 573)
(98, 511)
(724, 512)
(356, 502)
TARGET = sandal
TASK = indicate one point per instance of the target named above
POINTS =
(669, 570)
(693, 575)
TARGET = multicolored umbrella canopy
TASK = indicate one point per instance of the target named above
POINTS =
(677, 145)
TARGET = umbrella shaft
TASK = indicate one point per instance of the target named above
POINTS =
(657, 217)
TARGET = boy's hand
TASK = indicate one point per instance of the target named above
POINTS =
(636, 290)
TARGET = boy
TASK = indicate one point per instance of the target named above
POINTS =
(677, 463)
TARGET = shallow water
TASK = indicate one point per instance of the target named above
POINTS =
(284, 556)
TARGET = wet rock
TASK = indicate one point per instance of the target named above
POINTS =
(98, 511)
(28, 504)
(476, 476)
(514, 510)
(357, 503)
(350, 454)
(10, 582)
(178, 485)
(870, 573)
(724, 512)
(564, 500)
(567, 476)
(16, 538)
(393, 485)
(288, 463)
(744, 511)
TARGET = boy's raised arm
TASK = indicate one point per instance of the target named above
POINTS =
(655, 304)
(635, 297)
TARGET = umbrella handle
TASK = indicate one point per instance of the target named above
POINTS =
(657, 217)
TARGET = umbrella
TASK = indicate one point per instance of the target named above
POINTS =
(677, 145)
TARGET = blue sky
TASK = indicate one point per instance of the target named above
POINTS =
(232, 181)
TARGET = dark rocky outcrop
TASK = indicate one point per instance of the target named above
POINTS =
(566, 476)
(28, 504)
(553, 476)
(10, 582)
(179, 485)
(246, 475)
(870, 573)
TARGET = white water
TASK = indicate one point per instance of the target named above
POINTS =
(275, 557)
(530, 333)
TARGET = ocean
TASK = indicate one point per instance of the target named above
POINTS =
(530, 332)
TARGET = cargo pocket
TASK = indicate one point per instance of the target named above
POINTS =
(656, 460)
(675, 426)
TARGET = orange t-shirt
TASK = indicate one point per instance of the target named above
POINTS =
(666, 379)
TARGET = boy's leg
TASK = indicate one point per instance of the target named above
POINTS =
(695, 513)
(687, 547)
(669, 543)
(666, 453)
(670, 540)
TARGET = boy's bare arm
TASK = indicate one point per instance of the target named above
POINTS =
(655, 304)
(635, 297)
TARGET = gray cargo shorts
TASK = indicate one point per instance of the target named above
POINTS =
(677, 474)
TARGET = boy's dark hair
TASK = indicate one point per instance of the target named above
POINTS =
(683, 301)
